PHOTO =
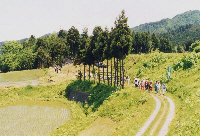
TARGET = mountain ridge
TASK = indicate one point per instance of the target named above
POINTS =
(164, 25)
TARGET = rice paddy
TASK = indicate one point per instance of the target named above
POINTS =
(31, 119)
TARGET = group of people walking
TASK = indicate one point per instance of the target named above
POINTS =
(147, 85)
(57, 69)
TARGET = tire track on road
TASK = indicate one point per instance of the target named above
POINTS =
(164, 129)
(151, 118)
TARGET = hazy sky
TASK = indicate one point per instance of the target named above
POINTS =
(23, 18)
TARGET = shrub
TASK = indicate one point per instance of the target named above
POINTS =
(186, 62)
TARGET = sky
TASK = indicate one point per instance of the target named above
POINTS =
(22, 18)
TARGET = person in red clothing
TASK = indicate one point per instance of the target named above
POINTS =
(142, 84)
(146, 84)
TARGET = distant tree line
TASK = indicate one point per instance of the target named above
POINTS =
(182, 37)
(144, 42)
(82, 48)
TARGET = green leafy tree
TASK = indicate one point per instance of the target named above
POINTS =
(155, 42)
(11, 47)
(98, 43)
(122, 39)
(195, 46)
(73, 39)
(62, 34)
(43, 55)
(10, 56)
(165, 45)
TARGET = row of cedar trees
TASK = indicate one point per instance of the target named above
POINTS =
(102, 45)
(106, 45)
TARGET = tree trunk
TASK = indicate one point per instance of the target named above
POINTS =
(111, 72)
(120, 72)
(103, 73)
(115, 73)
(94, 74)
(99, 73)
(107, 72)
(84, 72)
(89, 72)
(123, 73)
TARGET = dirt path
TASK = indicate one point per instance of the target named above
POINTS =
(170, 116)
(157, 122)
(161, 119)
(151, 118)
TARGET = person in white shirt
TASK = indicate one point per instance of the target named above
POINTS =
(158, 86)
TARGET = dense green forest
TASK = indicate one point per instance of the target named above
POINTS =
(183, 36)
(189, 17)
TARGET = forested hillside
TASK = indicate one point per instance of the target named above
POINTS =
(183, 36)
(189, 17)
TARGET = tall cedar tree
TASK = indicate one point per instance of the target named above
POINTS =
(155, 42)
(107, 53)
(166, 45)
(98, 45)
(73, 39)
(81, 54)
(122, 39)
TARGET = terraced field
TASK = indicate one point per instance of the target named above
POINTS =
(26, 120)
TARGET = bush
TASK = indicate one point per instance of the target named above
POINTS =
(186, 62)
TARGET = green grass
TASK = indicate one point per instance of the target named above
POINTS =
(183, 87)
(17, 76)
(125, 107)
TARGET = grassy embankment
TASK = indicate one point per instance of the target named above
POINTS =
(183, 87)
(122, 110)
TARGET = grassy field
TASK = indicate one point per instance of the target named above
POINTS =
(129, 105)
(126, 108)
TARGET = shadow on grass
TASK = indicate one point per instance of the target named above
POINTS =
(96, 93)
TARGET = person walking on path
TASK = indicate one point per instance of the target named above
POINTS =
(156, 87)
(163, 88)
(143, 84)
(150, 86)
(134, 81)
(128, 79)
(146, 84)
